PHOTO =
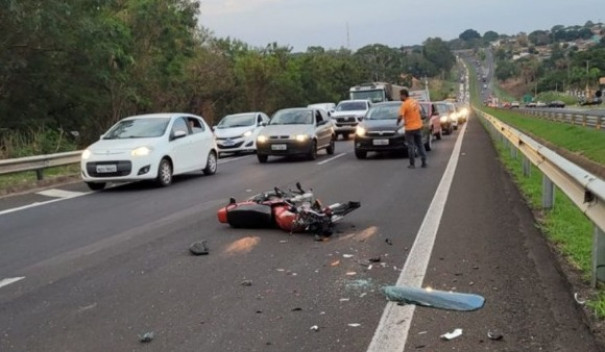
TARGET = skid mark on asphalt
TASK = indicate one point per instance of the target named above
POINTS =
(332, 158)
(242, 246)
(12, 280)
(361, 236)
(59, 193)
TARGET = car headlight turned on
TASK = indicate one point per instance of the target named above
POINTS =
(301, 137)
(443, 119)
(360, 131)
(141, 151)
(86, 154)
(261, 139)
(465, 112)
(247, 133)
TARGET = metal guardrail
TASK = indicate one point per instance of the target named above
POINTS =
(39, 163)
(585, 190)
(573, 118)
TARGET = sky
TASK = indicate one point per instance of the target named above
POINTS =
(304, 23)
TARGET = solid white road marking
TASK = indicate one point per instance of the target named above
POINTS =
(332, 158)
(392, 332)
(6, 282)
(59, 193)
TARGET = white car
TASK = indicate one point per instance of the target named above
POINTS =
(238, 132)
(150, 147)
(348, 114)
(327, 107)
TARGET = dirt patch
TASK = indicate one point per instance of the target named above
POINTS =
(38, 185)
(514, 87)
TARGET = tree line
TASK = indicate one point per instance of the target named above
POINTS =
(81, 66)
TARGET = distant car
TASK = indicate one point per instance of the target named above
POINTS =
(348, 114)
(296, 131)
(592, 101)
(556, 104)
(540, 104)
(150, 147)
(515, 104)
(238, 132)
(530, 105)
(379, 131)
(328, 107)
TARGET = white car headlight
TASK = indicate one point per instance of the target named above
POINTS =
(360, 131)
(261, 139)
(300, 137)
(86, 154)
(141, 151)
(443, 119)
(247, 133)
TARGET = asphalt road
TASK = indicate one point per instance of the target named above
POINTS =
(100, 269)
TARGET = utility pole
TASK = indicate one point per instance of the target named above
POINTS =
(587, 92)
(348, 38)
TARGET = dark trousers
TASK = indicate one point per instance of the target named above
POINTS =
(414, 141)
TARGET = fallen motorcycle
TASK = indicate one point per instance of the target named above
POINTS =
(293, 211)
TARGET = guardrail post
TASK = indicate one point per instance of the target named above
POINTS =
(598, 256)
(526, 166)
(599, 122)
(548, 193)
(513, 151)
(40, 174)
(584, 120)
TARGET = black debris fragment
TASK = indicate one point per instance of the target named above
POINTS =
(199, 248)
(297, 309)
(388, 241)
(246, 283)
(375, 259)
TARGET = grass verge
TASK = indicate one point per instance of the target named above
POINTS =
(565, 226)
(16, 181)
(587, 142)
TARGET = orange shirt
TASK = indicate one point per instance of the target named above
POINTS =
(410, 111)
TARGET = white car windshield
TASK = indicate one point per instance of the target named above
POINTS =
(352, 106)
(138, 128)
(383, 112)
(239, 120)
(292, 117)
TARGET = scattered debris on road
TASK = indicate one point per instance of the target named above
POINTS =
(297, 309)
(199, 248)
(347, 255)
(354, 325)
(146, 337)
(246, 283)
(315, 328)
(429, 297)
(452, 335)
(389, 242)
(494, 335)
(578, 300)
(377, 259)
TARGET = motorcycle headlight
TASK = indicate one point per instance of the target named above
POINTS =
(86, 154)
(443, 119)
(141, 151)
(247, 133)
(261, 139)
(301, 137)
(360, 131)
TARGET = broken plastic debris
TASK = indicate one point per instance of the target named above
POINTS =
(375, 259)
(388, 241)
(297, 309)
(146, 337)
(246, 283)
(347, 255)
(198, 248)
(363, 295)
(494, 336)
(452, 335)
(280, 270)
(428, 297)
(351, 273)
(335, 263)
(344, 299)
(354, 325)
(315, 328)
(578, 300)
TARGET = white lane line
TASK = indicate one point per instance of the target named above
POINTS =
(6, 282)
(224, 161)
(332, 158)
(59, 193)
(37, 204)
(392, 332)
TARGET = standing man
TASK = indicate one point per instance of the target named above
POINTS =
(410, 113)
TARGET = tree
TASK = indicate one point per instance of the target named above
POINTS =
(490, 36)
(437, 52)
(469, 35)
(539, 38)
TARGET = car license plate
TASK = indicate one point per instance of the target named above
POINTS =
(229, 142)
(380, 142)
(279, 147)
(103, 169)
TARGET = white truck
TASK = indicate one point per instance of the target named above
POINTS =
(375, 92)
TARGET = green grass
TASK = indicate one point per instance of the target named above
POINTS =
(585, 141)
(29, 177)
